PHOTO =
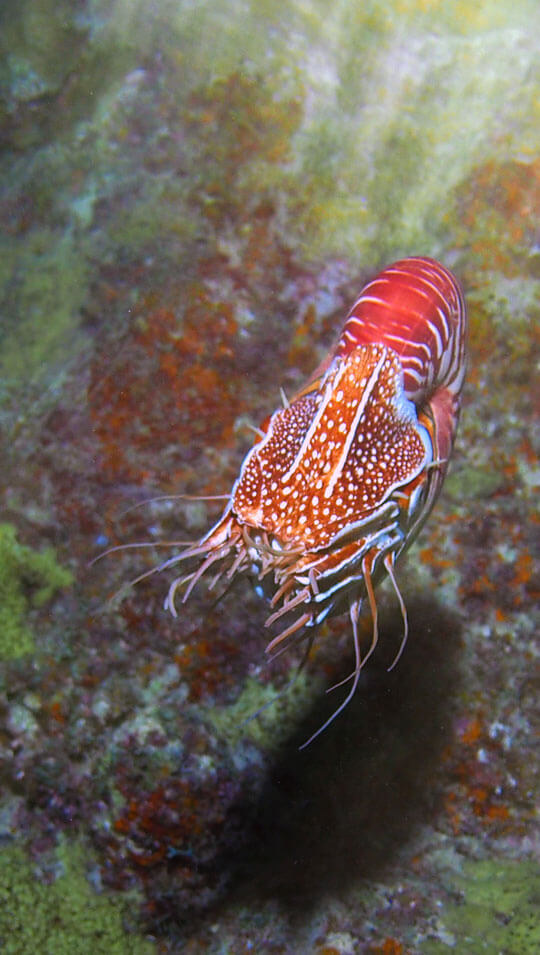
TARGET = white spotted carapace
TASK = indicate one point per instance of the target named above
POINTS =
(343, 477)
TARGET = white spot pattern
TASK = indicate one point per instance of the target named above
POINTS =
(377, 432)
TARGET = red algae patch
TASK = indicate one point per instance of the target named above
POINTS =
(170, 383)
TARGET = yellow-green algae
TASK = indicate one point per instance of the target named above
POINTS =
(264, 714)
(28, 578)
(40, 43)
(498, 911)
(402, 102)
(412, 97)
(64, 917)
(473, 483)
(50, 276)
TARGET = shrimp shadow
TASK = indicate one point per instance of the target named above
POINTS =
(343, 807)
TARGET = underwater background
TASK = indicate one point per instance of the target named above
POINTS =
(191, 196)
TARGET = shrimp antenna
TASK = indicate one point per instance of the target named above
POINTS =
(137, 545)
(354, 614)
(389, 564)
(173, 497)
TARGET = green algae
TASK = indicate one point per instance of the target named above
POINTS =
(368, 166)
(40, 44)
(138, 228)
(263, 714)
(414, 121)
(498, 911)
(508, 303)
(49, 279)
(473, 483)
(66, 916)
(28, 579)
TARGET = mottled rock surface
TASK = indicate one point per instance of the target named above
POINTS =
(191, 196)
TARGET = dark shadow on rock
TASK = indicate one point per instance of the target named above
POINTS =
(342, 808)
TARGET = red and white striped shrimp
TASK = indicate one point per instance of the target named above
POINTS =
(343, 477)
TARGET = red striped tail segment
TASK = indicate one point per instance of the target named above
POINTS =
(416, 307)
